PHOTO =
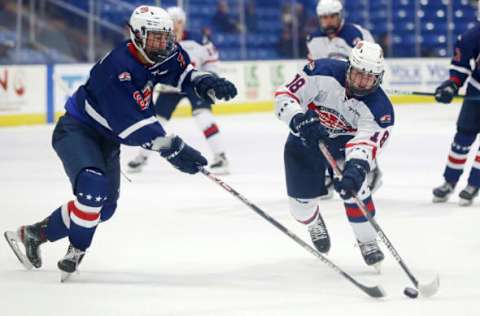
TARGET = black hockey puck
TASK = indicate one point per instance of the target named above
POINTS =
(410, 292)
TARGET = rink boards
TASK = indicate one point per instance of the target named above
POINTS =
(36, 94)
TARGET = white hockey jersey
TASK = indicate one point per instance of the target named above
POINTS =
(339, 47)
(361, 125)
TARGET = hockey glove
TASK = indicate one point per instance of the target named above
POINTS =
(446, 91)
(210, 87)
(308, 126)
(183, 157)
(354, 175)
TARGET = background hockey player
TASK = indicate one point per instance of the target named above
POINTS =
(204, 57)
(467, 49)
(335, 39)
(339, 103)
(114, 107)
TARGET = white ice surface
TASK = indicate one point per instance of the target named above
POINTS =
(181, 245)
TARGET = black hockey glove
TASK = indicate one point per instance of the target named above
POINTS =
(354, 175)
(308, 126)
(446, 91)
(210, 87)
(183, 157)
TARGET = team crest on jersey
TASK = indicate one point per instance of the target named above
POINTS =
(333, 120)
(311, 65)
(356, 40)
(144, 97)
(387, 118)
(125, 76)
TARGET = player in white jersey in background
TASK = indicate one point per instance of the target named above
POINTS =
(341, 104)
(335, 39)
(204, 57)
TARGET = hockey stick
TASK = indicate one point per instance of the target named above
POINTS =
(373, 291)
(428, 94)
(426, 290)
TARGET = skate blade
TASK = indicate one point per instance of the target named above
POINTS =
(13, 240)
(431, 288)
(437, 199)
(378, 267)
(464, 202)
(65, 276)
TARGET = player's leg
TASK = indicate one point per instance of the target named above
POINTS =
(469, 120)
(305, 178)
(78, 218)
(467, 129)
(165, 105)
(362, 229)
(203, 116)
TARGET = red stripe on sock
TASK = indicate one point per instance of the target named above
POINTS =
(354, 211)
(212, 130)
(308, 221)
(81, 214)
(457, 161)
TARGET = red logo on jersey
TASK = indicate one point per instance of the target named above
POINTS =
(144, 98)
(181, 60)
(124, 76)
(332, 120)
(143, 9)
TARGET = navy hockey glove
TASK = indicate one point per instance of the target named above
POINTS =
(354, 175)
(308, 126)
(446, 91)
(183, 157)
(211, 86)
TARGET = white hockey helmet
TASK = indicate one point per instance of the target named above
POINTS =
(327, 8)
(177, 14)
(366, 68)
(147, 20)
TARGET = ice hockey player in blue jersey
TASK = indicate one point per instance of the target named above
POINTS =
(335, 37)
(114, 107)
(203, 56)
(466, 50)
(341, 104)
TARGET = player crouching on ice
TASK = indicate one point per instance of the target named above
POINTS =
(114, 107)
(341, 104)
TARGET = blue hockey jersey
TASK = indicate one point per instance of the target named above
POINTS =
(116, 100)
(467, 48)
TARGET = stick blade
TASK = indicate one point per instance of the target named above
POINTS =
(374, 291)
(431, 288)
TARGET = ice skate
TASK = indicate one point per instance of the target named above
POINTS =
(372, 254)
(319, 234)
(443, 192)
(136, 165)
(467, 195)
(70, 262)
(31, 236)
(219, 165)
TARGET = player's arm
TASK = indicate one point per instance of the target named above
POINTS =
(466, 48)
(367, 36)
(129, 116)
(288, 108)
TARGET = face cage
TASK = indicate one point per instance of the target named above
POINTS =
(155, 55)
(358, 92)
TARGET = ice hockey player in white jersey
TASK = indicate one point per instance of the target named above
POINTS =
(341, 104)
(203, 56)
(335, 37)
